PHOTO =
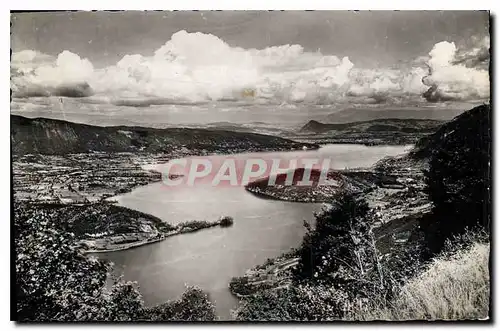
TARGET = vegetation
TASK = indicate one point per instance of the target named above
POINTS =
(294, 303)
(105, 218)
(194, 305)
(441, 274)
(342, 235)
(347, 286)
(226, 221)
(191, 226)
(36, 135)
(459, 177)
(56, 282)
(241, 286)
(453, 287)
(339, 269)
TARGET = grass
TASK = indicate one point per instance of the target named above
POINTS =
(455, 287)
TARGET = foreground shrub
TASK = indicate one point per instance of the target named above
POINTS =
(194, 305)
(293, 303)
(56, 282)
(341, 251)
(335, 243)
(454, 287)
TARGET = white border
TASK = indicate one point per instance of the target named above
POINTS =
(255, 5)
(189, 5)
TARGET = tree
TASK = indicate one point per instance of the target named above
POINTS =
(293, 303)
(340, 250)
(459, 178)
(56, 282)
(194, 305)
(226, 221)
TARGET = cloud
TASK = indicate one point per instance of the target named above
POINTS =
(477, 56)
(457, 74)
(198, 67)
(37, 74)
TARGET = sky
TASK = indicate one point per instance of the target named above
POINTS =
(368, 38)
(142, 59)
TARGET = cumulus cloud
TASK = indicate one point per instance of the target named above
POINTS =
(198, 67)
(477, 56)
(457, 74)
(37, 74)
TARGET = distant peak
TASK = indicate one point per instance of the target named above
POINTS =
(312, 125)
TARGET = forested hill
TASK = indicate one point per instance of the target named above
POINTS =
(471, 128)
(50, 136)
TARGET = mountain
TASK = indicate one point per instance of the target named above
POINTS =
(367, 114)
(50, 136)
(473, 125)
(466, 133)
(378, 125)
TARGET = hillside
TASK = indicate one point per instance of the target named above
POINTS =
(402, 174)
(107, 227)
(378, 125)
(336, 183)
(348, 115)
(474, 124)
(472, 127)
(49, 136)
(387, 131)
(430, 240)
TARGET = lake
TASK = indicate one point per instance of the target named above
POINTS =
(209, 258)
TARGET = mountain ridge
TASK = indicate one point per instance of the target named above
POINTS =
(53, 136)
(474, 123)
(386, 124)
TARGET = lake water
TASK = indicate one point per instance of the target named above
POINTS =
(209, 258)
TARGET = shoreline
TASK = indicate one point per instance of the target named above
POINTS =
(397, 196)
(130, 246)
(308, 198)
(271, 274)
(182, 228)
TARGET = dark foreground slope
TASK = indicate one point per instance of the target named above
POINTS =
(458, 178)
(348, 269)
(49, 136)
(472, 126)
